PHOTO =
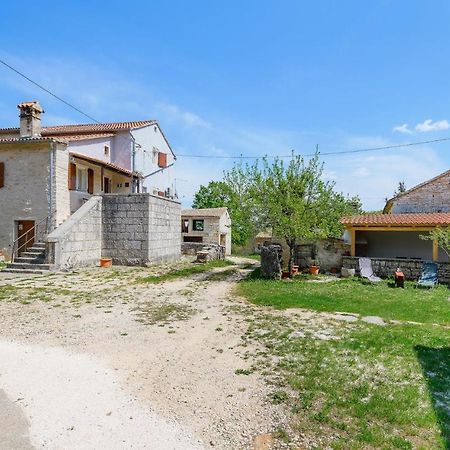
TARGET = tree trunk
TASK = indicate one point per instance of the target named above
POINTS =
(291, 244)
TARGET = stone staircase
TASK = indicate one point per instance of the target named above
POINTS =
(31, 261)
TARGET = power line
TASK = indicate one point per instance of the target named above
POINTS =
(48, 91)
(342, 152)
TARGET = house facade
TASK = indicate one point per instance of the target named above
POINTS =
(396, 234)
(48, 173)
(208, 226)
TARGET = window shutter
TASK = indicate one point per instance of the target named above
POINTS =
(2, 174)
(72, 176)
(90, 181)
(162, 159)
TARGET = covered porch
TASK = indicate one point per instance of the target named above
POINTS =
(395, 236)
(90, 176)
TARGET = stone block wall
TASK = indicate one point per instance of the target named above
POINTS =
(385, 267)
(77, 242)
(327, 253)
(215, 251)
(431, 197)
(140, 228)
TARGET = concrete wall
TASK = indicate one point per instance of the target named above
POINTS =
(35, 186)
(78, 241)
(140, 228)
(94, 148)
(385, 267)
(432, 197)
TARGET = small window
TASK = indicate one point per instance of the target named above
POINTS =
(106, 150)
(198, 225)
(82, 179)
(127, 184)
(185, 226)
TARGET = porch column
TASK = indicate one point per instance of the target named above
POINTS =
(352, 242)
(435, 251)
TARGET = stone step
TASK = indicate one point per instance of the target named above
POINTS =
(32, 254)
(40, 259)
(39, 244)
(27, 266)
(33, 271)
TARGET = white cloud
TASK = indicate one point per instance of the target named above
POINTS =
(404, 129)
(187, 118)
(429, 125)
(361, 172)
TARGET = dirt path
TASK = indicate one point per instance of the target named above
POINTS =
(168, 351)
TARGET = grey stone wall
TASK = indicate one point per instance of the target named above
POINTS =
(215, 251)
(271, 257)
(77, 242)
(385, 267)
(140, 228)
(327, 253)
(431, 197)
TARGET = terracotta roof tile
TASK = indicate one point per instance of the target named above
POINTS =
(87, 128)
(436, 219)
(102, 163)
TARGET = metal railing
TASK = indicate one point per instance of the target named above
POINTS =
(17, 246)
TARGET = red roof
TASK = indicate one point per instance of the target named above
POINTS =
(100, 162)
(409, 220)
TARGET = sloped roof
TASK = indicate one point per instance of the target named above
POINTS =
(414, 188)
(204, 212)
(86, 128)
(380, 220)
(100, 162)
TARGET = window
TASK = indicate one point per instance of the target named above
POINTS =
(106, 150)
(185, 226)
(82, 179)
(193, 239)
(162, 159)
(198, 225)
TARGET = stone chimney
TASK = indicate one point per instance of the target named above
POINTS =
(30, 119)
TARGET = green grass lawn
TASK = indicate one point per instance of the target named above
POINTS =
(368, 386)
(354, 296)
(193, 269)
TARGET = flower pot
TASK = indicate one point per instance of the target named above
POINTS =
(314, 270)
(294, 270)
(285, 274)
(105, 262)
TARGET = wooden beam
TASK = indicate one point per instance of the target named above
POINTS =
(435, 251)
(352, 241)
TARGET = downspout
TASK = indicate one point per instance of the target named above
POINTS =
(51, 182)
(134, 188)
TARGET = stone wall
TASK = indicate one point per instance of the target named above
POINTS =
(271, 260)
(35, 187)
(191, 248)
(327, 253)
(78, 241)
(385, 267)
(140, 228)
(429, 198)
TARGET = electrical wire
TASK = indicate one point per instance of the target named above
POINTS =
(342, 152)
(48, 91)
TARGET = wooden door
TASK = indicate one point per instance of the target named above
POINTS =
(107, 185)
(26, 235)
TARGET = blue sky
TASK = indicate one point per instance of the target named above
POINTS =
(252, 78)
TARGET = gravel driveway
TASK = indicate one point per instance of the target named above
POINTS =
(100, 359)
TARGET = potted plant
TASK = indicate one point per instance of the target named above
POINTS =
(314, 267)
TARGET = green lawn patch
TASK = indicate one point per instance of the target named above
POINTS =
(352, 295)
(370, 388)
(193, 269)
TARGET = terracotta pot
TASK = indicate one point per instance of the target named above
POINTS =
(285, 274)
(314, 270)
(105, 262)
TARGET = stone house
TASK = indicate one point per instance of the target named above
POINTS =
(392, 239)
(48, 173)
(207, 226)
